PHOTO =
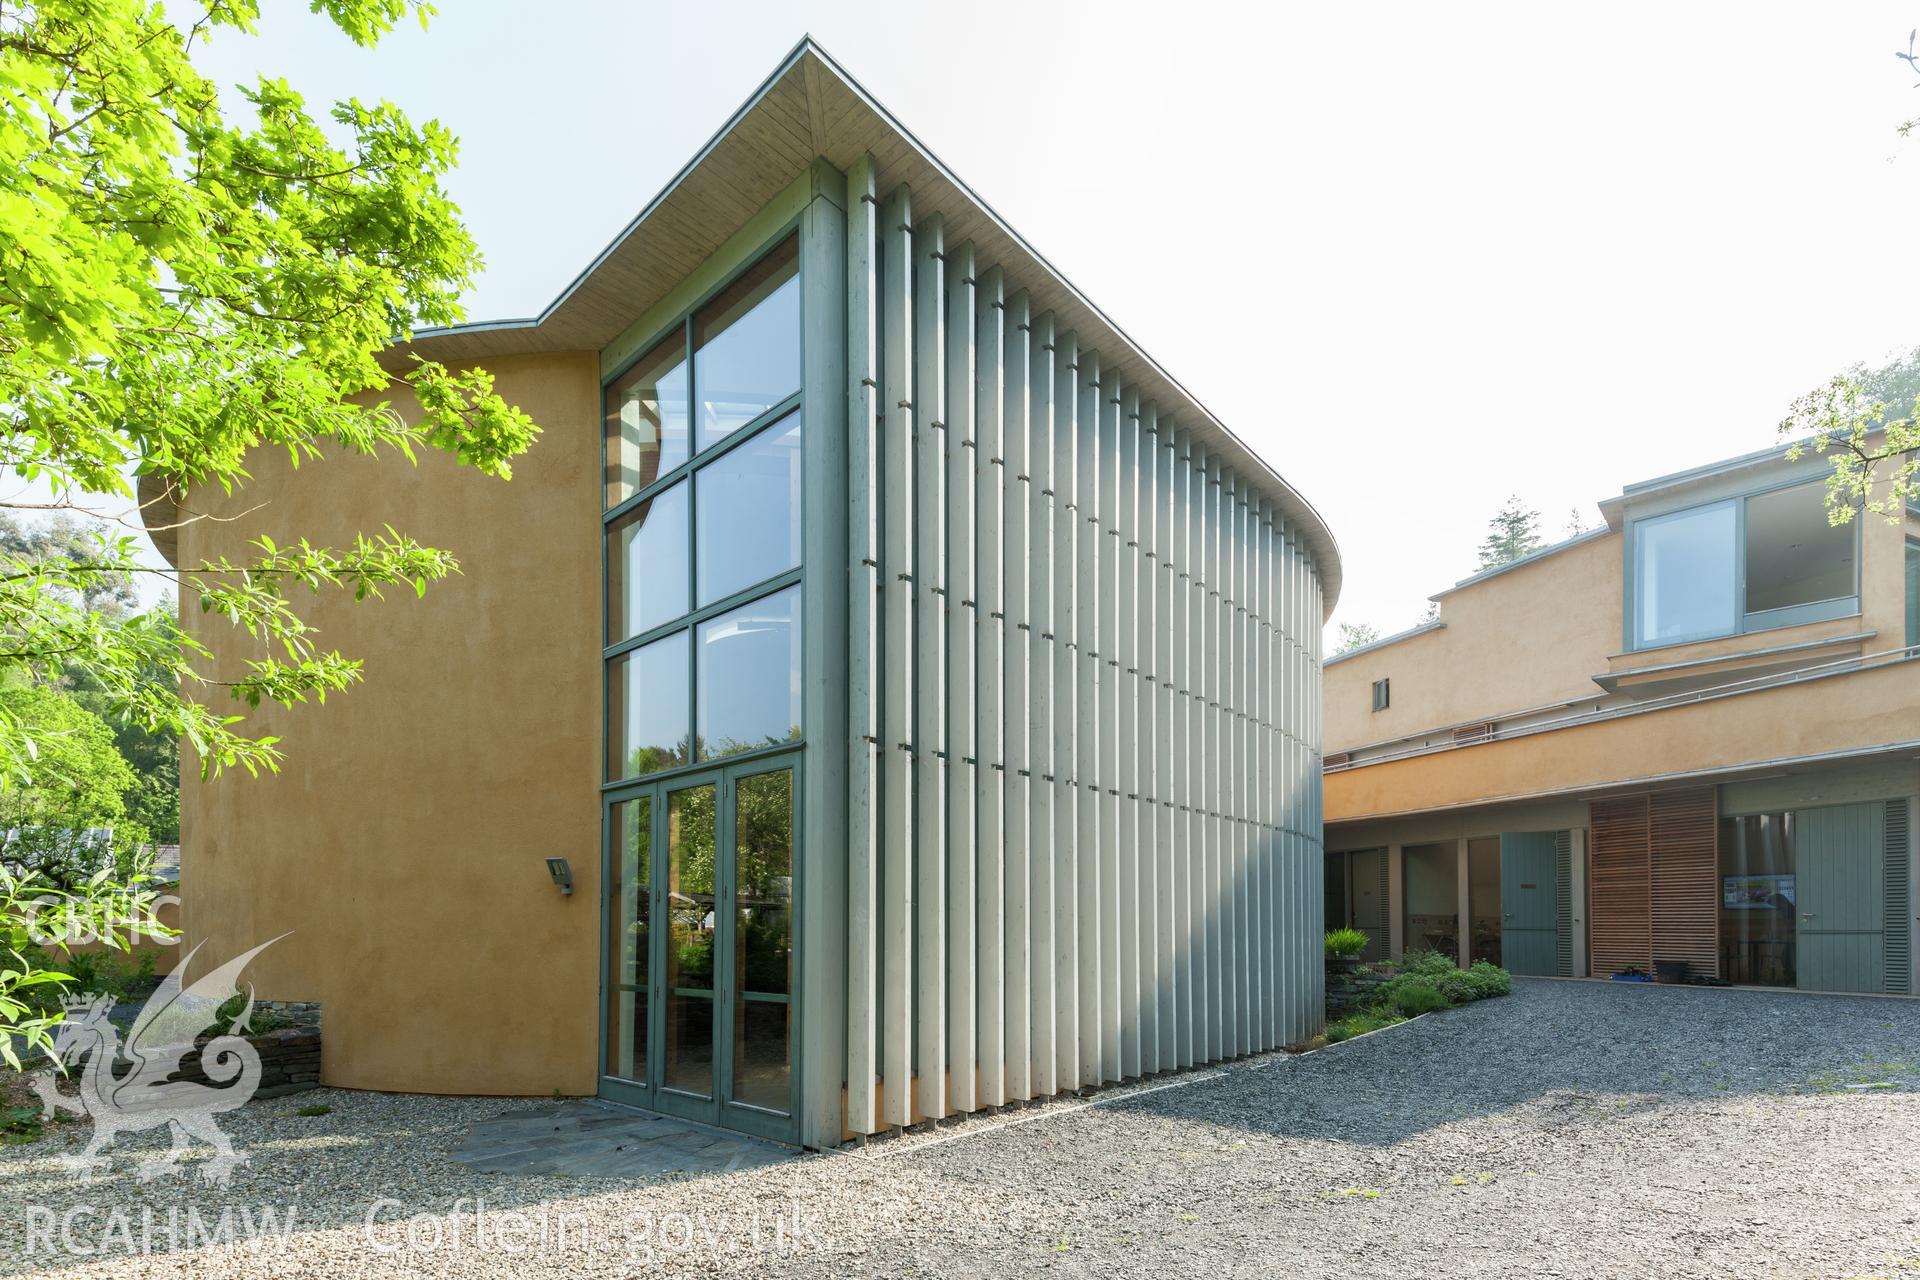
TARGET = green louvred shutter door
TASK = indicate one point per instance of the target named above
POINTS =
(1898, 938)
(1563, 903)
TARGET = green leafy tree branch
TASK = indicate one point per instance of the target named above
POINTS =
(179, 290)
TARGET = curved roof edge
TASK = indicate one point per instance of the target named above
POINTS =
(810, 107)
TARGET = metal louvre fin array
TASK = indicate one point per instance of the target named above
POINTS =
(1085, 838)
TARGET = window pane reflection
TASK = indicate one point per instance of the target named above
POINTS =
(1795, 554)
(647, 565)
(646, 419)
(627, 947)
(760, 1054)
(750, 512)
(747, 345)
(763, 936)
(1759, 921)
(687, 1056)
(1684, 576)
(763, 898)
(647, 716)
(749, 693)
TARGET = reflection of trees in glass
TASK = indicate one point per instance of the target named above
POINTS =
(690, 850)
(763, 876)
(724, 747)
(654, 759)
(763, 871)
(636, 853)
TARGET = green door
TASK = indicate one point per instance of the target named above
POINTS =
(699, 992)
(1529, 896)
(1839, 854)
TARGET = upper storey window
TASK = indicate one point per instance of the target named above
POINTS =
(722, 368)
(1769, 559)
(746, 346)
(703, 509)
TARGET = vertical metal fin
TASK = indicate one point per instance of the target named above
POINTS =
(897, 651)
(863, 644)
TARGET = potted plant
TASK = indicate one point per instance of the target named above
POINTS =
(1343, 950)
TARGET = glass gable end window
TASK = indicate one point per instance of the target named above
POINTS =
(646, 427)
(703, 438)
(647, 718)
(647, 565)
(1769, 559)
(750, 511)
(750, 676)
(746, 345)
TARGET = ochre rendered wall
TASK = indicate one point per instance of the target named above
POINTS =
(402, 841)
(1846, 712)
(1535, 637)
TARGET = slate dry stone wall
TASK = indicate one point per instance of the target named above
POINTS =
(289, 1056)
(1350, 989)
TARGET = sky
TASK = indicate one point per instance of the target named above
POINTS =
(1421, 257)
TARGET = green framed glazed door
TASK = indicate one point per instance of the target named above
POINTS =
(688, 976)
(1839, 852)
(626, 1024)
(1529, 903)
(698, 1019)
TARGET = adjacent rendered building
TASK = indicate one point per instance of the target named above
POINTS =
(1686, 743)
(921, 687)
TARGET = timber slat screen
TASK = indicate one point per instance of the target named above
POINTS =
(1085, 681)
(1621, 914)
(1656, 881)
(1683, 828)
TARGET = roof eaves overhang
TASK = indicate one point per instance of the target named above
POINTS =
(811, 108)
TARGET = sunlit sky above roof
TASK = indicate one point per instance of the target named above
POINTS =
(1421, 257)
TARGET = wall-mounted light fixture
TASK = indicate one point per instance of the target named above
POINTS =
(562, 874)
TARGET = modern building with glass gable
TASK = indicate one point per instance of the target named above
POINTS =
(930, 721)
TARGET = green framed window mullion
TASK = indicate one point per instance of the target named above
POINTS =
(746, 595)
(695, 461)
(725, 979)
(679, 774)
(657, 936)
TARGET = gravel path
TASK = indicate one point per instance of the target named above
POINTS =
(1572, 1129)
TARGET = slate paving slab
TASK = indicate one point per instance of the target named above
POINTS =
(592, 1139)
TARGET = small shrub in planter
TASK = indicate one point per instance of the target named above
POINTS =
(1345, 944)
(1414, 996)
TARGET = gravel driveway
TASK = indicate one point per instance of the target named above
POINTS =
(1572, 1129)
